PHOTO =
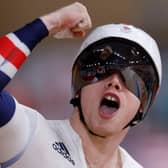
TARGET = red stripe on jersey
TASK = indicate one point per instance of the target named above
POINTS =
(10, 52)
(16, 57)
(6, 46)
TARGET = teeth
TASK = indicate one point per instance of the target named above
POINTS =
(111, 98)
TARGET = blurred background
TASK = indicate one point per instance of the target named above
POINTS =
(44, 82)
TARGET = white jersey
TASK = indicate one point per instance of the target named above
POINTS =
(31, 141)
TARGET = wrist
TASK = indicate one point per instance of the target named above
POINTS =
(52, 22)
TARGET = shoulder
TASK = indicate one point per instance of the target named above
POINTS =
(128, 161)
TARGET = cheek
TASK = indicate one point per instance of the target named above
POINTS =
(133, 102)
(129, 109)
(90, 96)
(87, 98)
(90, 93)
(86, 95)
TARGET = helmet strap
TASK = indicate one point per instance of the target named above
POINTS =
(76, 103)
(138, 117)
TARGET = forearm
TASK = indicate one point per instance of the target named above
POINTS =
(16, 47)
(14, 50)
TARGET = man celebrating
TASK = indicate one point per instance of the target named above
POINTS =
(115, 78)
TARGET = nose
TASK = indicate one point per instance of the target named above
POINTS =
(114, 81)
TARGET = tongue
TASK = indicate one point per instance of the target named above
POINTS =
(107, 112)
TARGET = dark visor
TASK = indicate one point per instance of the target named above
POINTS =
(112, 55)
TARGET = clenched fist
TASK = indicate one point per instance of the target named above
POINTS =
(68, 22)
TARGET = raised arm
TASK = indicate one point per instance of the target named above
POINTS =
(68, 22)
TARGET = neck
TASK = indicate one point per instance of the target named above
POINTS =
(100, 152)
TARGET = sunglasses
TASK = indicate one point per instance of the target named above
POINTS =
(114, 55)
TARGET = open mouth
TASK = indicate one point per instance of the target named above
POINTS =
(109, 105)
